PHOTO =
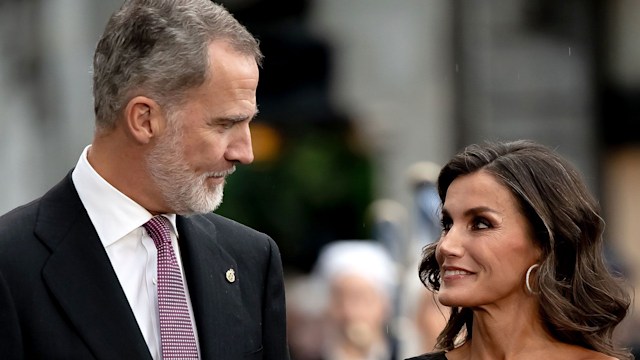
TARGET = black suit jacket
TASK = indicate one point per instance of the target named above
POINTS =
(60, 297)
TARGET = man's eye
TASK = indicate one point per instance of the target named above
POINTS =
(227, 124)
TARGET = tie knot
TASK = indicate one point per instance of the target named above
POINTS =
(158, 229)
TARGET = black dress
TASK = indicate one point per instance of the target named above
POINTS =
(430, 356)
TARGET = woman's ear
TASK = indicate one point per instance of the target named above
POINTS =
(143, 119)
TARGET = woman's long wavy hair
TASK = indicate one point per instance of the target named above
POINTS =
(581, 301)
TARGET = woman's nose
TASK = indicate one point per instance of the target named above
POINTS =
(450, 244)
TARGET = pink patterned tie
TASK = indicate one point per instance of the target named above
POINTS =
(176, 331)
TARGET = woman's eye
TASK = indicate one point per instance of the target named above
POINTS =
(445, 224)
(481, 223)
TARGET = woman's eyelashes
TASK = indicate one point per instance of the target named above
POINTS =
(480, 223)
(445, 224)
(476, 223)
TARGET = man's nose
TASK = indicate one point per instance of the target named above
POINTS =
(240, 148)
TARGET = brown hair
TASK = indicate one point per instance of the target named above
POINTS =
(581, 301)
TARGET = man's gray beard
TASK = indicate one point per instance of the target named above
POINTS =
(184, 192)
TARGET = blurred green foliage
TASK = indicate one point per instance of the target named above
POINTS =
(316, 190)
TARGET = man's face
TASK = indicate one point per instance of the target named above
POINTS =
(207, 135)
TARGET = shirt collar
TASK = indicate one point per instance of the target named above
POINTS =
(112, 213)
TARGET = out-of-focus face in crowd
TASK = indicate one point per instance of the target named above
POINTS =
(358, 309)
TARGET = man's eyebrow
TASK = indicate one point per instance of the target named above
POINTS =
(238, 117)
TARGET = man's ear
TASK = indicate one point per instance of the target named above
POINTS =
(143, 119)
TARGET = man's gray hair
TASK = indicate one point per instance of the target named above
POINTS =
(159, 48)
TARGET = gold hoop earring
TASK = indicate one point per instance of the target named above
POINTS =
(526, 280)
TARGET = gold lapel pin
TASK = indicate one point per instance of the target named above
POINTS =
(231, 275)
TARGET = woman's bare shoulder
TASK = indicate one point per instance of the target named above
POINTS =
(580, 353)
(562, 352)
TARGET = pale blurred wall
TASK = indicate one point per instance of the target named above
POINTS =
(622, 51)
(394, 72)
(46, 109)
(527, 71)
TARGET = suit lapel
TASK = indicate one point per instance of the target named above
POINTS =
(216, 301)
(81, 279)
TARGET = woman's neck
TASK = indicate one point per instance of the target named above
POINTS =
(512, 331)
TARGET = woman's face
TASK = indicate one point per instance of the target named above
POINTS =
(486, 244)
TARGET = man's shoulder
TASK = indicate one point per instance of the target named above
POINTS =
(17, 237)
(232, 235)
(22, 219)
(225, 225)
(19, 218)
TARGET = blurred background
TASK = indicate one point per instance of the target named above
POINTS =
(360, 101)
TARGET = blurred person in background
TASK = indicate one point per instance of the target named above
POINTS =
(80, 275)
(421, 317)
(305, 316)
(359, 279)
(520, 259)
(431, 318)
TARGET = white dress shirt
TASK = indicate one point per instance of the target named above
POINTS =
(118, 221)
